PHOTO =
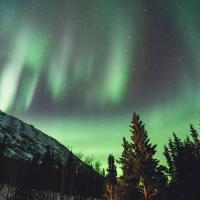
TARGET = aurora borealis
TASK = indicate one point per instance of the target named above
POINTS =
(77, 69)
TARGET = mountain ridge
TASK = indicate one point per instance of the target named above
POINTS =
(23, 140)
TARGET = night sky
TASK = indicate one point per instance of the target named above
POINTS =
(77, 69)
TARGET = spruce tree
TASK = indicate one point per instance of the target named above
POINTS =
(103, 173)
(194, 134)
(196, 141)
(145, 165)
(183, 165)
(111, 187)
(128, 180)
(141, 171)
(112, 170)
(97, 166)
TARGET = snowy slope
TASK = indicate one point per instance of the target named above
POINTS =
(25, 140)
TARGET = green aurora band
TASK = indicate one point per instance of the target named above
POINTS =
(77, 76)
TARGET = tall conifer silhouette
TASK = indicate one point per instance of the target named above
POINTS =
(141, 171)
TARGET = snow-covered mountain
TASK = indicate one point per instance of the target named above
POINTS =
(24, 140)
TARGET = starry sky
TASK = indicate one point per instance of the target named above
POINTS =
(77, 69)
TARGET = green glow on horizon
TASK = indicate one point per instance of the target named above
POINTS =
(162, 120)
(83, 134)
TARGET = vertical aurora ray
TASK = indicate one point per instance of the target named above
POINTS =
(118, 66)
(37, 50)
(10, 75)
(26, 91)
(57, 77)
(27, 56)
(34, 62)
(31, 90)
(59, 67)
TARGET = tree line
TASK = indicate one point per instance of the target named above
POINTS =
(143, 177)
(44, 177)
